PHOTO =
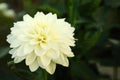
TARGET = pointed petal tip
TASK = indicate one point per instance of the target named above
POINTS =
(66, 65)
(51, 68)
(33, 67)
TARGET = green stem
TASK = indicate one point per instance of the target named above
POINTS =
(44, 75)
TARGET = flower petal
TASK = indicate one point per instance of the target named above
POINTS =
(20, 51)
(34, 66)
(40, 17)
(54, 54)
(27, 18)
(30, 58)
(40, 63)
(51, 68)
(45, 60)
(13, 52)
(19, 59)
(62, 60)
(28, 48)
(14, 42)
(39, 51)
(66, 50)
(10, 38)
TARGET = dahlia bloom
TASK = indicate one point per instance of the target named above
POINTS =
(42, 41)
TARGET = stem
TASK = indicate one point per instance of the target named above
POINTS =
(44, 75)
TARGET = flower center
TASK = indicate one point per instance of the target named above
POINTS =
(41, 39)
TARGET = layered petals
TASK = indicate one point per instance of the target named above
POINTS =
(42, 41)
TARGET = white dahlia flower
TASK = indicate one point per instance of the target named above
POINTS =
(42, 41)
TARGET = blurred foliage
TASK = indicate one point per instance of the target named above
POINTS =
(97, 24)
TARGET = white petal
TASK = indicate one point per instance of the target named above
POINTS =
(15, 43)
(34, 66)
(13, 40)
(28, 48)
(27, 18)
(10, 38)
(19, 59)
(51, 18)
(30, 58)
(40, 17)
(13, 52)
(51, 68)
(62, 60)
(45, 46)
(23, 38)
(69, 53)
(70, 42)
(45, 60)
(33, 42)
(66, 50)
(20, 51)
(39, 51)
(40, 63)
(54, 54)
